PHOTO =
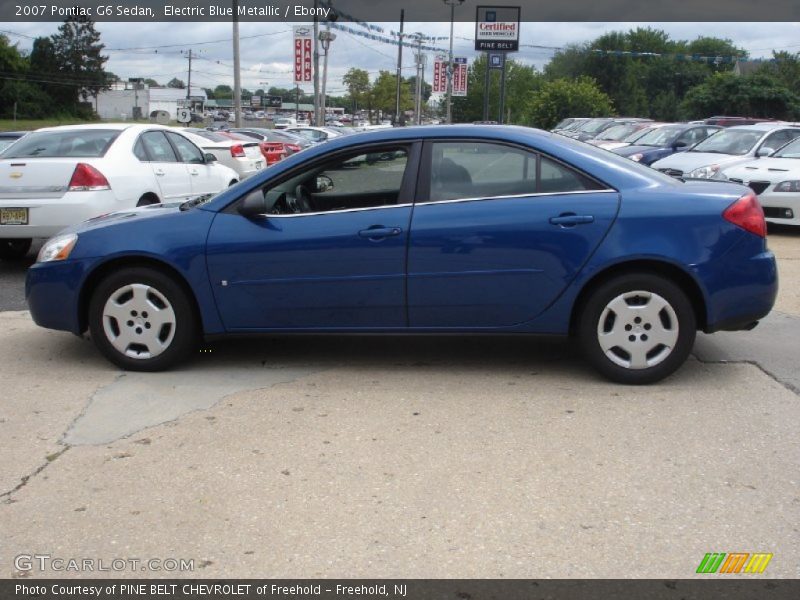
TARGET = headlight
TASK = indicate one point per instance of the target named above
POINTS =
(708, 172)
(57, 248)
(788, 186)
(636, 157)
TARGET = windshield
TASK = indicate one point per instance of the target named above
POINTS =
(661, 137)
(618, 132)
(790, 150)
(78, 143)
(593, 125)
(730, 141)
(638, 134)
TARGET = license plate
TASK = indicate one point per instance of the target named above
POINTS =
(13, 216)
(258, 164)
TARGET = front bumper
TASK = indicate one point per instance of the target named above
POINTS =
(52, 291)
(781, 208)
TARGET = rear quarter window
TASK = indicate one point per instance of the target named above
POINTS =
(83, 143)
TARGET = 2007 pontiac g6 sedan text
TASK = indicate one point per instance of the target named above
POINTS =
(468, 229)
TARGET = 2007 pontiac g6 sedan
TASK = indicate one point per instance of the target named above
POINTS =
(468, 229)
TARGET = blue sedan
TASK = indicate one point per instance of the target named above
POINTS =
(468, 229)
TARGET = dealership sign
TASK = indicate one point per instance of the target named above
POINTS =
(497, 28)
(440, 75)
(459, 76)
(302, 54)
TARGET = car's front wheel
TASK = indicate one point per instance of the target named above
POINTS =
(637, 328)
(14, 248)
(142, 320)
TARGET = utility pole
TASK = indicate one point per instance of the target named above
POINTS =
(237, 76)
(326, 37)
(486, 74)
(399, 68)
(420, 62)
(449, 101)
(189, 79)
(316, 64)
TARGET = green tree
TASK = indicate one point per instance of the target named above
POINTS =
(223, 92)
(564, 98)
(151, 82)
(176, 83)
(521, 82)
(18, 97)
(758, 95)
(358, 87)
(78, 55)
(384, 93)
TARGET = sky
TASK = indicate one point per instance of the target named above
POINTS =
(267, 53)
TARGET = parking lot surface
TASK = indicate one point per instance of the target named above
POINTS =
(402, 457)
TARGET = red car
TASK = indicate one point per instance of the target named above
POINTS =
(273, 151)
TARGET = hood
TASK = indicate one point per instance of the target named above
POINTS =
(123, 216)
(688, 161)
(773, 170)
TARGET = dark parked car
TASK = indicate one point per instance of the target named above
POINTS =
(666, 140)
(467, 229)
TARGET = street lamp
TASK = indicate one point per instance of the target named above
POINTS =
(452, 4)
(325, 38)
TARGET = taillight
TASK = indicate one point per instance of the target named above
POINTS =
(85, 178)
(747, 213)
(237, 151)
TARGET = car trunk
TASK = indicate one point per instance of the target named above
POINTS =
(36, 178)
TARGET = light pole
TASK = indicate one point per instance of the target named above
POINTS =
(325, 38)
(237, 74)
(452, 4)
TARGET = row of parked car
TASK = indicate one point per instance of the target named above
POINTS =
(763, 155)
(55, 177)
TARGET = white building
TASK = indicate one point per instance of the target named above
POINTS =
(138, 101)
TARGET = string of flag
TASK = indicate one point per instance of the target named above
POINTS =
(371, 26)
(385, 40)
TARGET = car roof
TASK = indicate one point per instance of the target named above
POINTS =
(107, 126)
(762, 127)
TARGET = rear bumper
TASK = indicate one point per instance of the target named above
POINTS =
(744, 289)
(46, 217)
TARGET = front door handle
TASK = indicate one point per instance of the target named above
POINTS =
(571, 219)
(159, 172)
(378, 232)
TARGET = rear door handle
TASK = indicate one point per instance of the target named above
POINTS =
(571, 219)
(378, 232)
(159, 172)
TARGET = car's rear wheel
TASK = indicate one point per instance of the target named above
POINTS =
(637, 328)
(14, 249)
(142, 320)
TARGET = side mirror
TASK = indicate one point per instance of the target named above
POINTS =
(765, 151)
(324, 183)
(209, 158)
(254, 205)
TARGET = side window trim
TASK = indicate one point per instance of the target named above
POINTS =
(422, 196)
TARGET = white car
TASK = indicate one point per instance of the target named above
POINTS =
(620, 136)
(726, 148)
(314, 135)
(776, 181)
(243, 157)
(285, 122)
(59, 176)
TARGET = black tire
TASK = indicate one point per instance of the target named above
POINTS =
(14, 249)
(619, 291)
(184, 331)
(147, 200)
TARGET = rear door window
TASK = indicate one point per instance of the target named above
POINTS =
(158, 148)
(461, 170)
